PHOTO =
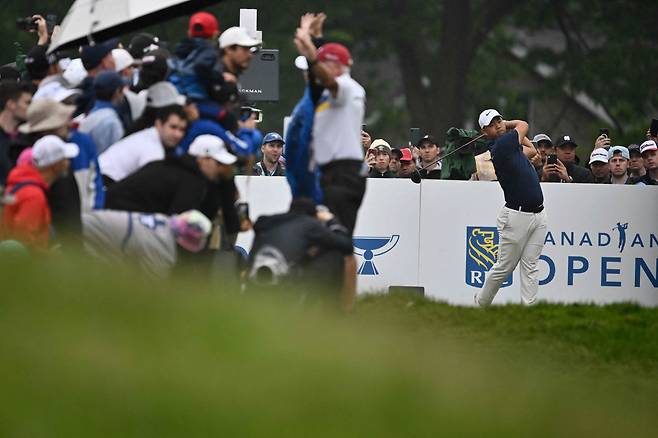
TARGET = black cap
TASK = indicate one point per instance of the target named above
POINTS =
(634, 148)
(566, 139)
(37, 63)
(426, 139)
(395, 152)
(154, 67)
(92, 56)
(9, 73)
(140, 44)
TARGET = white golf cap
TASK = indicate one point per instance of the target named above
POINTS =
(598, 154)
(541, 137)
(162, 94)
(237, 36)
(648, 145)
(75, 72)
(56, 91)
(122, 59)
(301, 62)
(380, 143)
(211, 146)
(487, 116)
(51, 149)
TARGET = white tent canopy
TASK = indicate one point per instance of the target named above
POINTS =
(104, 19)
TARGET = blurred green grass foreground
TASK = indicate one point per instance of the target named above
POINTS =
(93, 350)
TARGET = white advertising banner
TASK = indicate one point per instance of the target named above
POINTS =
(601, 245)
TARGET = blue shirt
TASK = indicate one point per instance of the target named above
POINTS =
(85, 167)
(202, 126)
(516, 175)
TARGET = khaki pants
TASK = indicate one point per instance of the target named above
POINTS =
(521, 239)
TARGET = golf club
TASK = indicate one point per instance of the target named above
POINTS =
(416, 178)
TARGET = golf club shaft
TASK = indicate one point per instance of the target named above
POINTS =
(452, 152)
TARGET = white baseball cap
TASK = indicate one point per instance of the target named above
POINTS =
(75, 73)
(211, 146)
(51, 149)
(648, 145)
(162, 94)
(487, 116)
(122, 59)
(237, 36)
(542, 137)
(598, 154)
(56, 91)
(380, 142)
(301, 62)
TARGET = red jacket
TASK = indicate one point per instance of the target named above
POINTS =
(28, 218)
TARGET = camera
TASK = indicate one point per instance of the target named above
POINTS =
(27, 24)
(247, 111)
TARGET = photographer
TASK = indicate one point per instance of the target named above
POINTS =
(562, 167)
(313, 258)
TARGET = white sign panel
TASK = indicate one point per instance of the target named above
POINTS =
(386, 238)
(601, 245)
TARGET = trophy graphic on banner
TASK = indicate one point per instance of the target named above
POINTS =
(371, 247)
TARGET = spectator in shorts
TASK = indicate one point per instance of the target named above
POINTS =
(103, 123)
(598, 164)
(618, 157)
(270, 164)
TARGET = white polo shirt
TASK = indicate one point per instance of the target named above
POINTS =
(131, 153)
(337, 125)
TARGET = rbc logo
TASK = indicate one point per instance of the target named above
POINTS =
(481, 254)
(371, 247)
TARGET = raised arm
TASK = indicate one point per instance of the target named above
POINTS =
(520, 126)
(306, 48)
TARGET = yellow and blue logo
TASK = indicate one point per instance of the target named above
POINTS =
(481, 254)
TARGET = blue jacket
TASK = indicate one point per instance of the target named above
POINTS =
(304, 182)
(87, 160)
(193, 69)
(203, 126)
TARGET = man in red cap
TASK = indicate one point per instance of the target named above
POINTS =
(339, 115)
(407, 164)
(336, 141)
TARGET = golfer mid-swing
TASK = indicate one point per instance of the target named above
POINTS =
(522, 221)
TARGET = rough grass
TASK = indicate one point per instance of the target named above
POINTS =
(90, 350)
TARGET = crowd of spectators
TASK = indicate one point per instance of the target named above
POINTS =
(160, 133)
(634, 164)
